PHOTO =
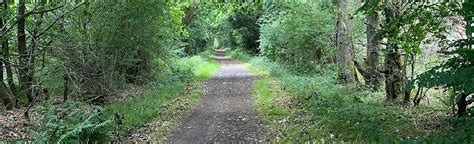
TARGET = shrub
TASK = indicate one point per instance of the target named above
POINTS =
(105, 46)
(298, 36)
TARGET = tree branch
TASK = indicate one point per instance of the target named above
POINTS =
(57, 19)
(26, 15)
(44, 11)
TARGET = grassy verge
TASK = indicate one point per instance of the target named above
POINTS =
(165, 102)
(302, 108)
(144, 108)
(203, 68)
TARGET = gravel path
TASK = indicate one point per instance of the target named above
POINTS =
(226, 113)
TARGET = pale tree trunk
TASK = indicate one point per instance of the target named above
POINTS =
(393, 66)
(373, 38)
(344, 42)
(374, 78)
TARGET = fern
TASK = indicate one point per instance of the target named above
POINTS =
(70, 123)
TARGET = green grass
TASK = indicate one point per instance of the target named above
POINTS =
(264, 98)
(203, 68)
(144, 108)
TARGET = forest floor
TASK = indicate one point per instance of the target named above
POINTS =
(226, 112)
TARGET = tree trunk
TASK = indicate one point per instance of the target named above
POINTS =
(373, 48)
(373, 38)
(25, 80)
(190, 12)
(6, 59)
(5, 96)
(393, 66)
(344, 42)
(462, 105)
(66, 88)
(32, 55)
(2, 61)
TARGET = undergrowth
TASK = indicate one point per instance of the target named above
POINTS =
(164, 100)
(302, 108)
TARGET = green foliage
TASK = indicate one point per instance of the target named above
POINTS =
(103, 46)
(457, 73)
(245, 29)
(298, 35)
(417, 22)
(207, 26)
(239, 54)
(72, 122)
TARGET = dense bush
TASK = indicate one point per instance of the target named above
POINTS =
(298, 35)
(103, 46)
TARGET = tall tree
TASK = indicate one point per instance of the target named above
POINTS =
(371, 72)
(393, 66)
(344, 54)
(373, 39)
(25, 80)
(1, 50)
(3, 89)
(5, 93)
(373, 45)
(6, 52)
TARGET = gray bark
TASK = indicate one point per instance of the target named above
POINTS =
(373, 39)
(344, 42)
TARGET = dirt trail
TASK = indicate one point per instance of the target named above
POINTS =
(226, 113)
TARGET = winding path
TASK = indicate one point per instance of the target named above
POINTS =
(226, 113)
